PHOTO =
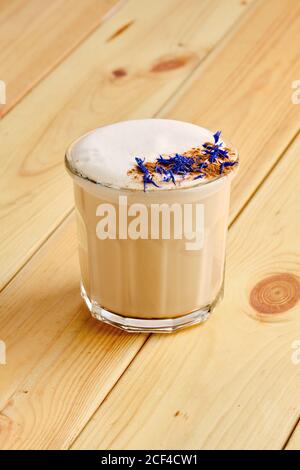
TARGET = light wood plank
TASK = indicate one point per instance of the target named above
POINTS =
(231, 383)
(160, 48)
(51, 337)
(36, 35)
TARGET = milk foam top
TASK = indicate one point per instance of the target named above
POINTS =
(106, 154)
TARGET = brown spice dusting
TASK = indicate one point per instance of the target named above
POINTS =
(213, 169)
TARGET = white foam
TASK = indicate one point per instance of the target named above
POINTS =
(106, 154)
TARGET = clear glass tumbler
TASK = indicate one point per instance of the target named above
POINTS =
(159, 266)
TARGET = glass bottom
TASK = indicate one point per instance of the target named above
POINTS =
(155, 325)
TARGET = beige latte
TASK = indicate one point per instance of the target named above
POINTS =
(167, 262)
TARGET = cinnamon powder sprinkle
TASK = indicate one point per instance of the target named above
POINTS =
(206, 162)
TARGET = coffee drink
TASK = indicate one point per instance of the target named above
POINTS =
(152, 202)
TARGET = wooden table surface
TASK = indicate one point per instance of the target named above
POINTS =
(70, 381)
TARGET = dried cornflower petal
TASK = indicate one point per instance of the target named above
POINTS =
(209, 160)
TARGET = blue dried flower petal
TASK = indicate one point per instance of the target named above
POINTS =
(217, 136)
(167, 172)
(214, 152)
(140, 164)
(222, 153)
(147, 178)
(179, 164)
(202, 165)
(163, 161)
(199, 176)
(214, 155)
(169, 176)
(224, 164)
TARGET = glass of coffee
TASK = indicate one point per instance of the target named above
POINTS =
(152, 202)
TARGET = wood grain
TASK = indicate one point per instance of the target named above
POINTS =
(231, 383)
(72, 399)
(36, 35)
(111, 76)
(20, 424)
(60, 362)
(270, 427)
(245, 89)
(56, 353)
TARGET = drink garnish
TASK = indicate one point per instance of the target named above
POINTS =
(208, 161)
(147, 178)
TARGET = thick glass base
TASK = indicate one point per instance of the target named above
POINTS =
(142, 325)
